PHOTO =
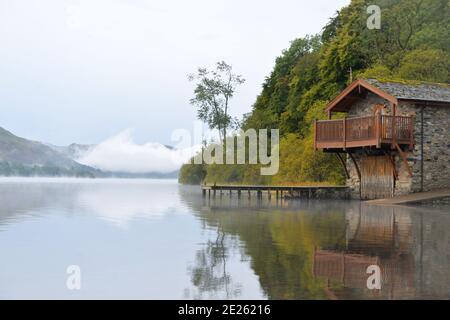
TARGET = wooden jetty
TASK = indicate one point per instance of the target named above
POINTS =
(307, 192)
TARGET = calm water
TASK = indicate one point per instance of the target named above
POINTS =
(150, 239)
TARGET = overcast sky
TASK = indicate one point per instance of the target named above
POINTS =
(85, 70)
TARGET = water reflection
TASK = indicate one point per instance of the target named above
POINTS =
(116, 201)
(321, 250)
(131, 239)
(210, 273)
(156, 239)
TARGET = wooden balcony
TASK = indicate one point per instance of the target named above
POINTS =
(371, 131)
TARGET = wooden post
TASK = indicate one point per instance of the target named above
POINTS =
(356, 166)
(405, 159)
(204, 193)
(344, 165)
(344, 133)
(378, 129)
(394, 126)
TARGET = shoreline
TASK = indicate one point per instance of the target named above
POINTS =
(82, 180)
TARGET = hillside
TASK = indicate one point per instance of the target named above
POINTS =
(22, 157)
(73, 151)
(411, 45)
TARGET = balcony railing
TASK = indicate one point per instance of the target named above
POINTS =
(367, 131)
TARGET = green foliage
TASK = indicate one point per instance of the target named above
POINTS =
(193, 174)
(299, 162)
(378, 71)
(426, 65)
(413, 44)
(282, 89)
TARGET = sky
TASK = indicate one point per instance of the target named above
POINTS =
(86, 70)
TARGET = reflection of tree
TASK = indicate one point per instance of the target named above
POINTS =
(411, 244)
(279, 241)
(210, 275)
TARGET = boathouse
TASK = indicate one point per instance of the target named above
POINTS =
(392, 138)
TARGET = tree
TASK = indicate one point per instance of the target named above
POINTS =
(411, 45)
(428, 65)
(213, 92)
(191, 173)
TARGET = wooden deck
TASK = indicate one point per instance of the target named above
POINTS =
(370, 131)
(307, 192)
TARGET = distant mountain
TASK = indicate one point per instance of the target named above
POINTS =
(22, 157)
(73, 151)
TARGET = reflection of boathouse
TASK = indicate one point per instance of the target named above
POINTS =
(378, 229)
(376, 237)
(412, 246)
(350, 271)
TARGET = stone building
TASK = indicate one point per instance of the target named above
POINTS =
(394, 137)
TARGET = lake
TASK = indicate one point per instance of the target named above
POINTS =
(155, 239)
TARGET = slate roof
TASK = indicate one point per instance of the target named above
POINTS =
(421, 91)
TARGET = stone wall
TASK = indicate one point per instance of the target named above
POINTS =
(365, 107)
(436, 150)
(353, 182)
(436, 146)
